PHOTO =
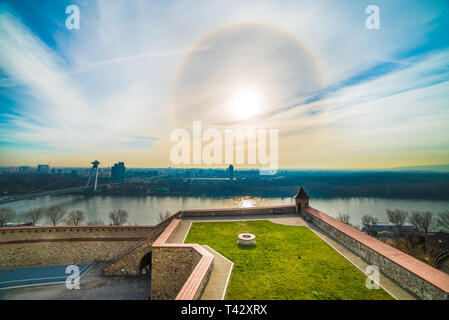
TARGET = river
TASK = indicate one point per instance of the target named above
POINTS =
(145, 210)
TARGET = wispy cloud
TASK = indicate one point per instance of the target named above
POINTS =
(110, 87)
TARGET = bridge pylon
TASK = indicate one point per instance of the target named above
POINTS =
(93, 171)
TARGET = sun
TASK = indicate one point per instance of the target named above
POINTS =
(246, 104)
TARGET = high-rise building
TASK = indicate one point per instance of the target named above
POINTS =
(118, 172)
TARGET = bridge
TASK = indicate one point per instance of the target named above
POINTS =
(93, 175)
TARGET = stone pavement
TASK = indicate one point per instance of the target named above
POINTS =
(181, 232)
(219, 278)
(93, 286)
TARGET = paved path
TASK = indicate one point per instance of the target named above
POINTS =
(221, 271)
(292, 220)
(25, 277)
(181, 232)
(219, 278)
(93, 286)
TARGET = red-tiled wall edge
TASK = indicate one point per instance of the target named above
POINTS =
(127, 252)
(199, 273)
(69, 240)
(424, 271)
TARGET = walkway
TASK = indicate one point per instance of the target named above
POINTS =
(221, 271)
(35, 276)
(93, 286)
(219, 278)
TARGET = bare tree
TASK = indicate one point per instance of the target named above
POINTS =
(164, 216)
(34, 215)
(6, 215)
(397, 217)
(443, 220)
(75, 217)
(368, 222)
(421, 221)
(345, 218)
(55, 215)
(118, 217)
(97, 222)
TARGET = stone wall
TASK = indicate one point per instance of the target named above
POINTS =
(59, 245)
(171, 267)
(178, 271)
(239, 211)
(417, 277)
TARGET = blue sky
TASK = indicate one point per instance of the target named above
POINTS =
(342, 96)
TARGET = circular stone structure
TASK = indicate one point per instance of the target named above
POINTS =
(247, 239)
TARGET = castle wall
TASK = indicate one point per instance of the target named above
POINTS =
(59, 245)
(179, 271)
(239, 211)
(417, 277)
(128, 262)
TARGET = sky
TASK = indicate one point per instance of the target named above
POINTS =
(339, 94)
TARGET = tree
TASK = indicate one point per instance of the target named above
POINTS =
(55, 215)
(421, 221)
(368, 221)
(34, 215)
(164, 216)
(397, 217)
(75, 217)
(443, 220)
(98, 222)
(6, 215)
(345, 218)
(118, 217)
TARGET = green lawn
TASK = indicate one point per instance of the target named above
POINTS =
(272, 270)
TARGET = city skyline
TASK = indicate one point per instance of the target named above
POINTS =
(342, 96)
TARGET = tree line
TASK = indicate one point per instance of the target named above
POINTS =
(421, 220)
(56, 215)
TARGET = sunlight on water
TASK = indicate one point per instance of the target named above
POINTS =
(145, 210)
(247, 203)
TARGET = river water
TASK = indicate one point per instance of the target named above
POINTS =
(145, 210)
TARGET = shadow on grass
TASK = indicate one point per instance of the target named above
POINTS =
(252, 247)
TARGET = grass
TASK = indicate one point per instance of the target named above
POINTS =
(288, 262)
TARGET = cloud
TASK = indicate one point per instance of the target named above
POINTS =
(108, 88)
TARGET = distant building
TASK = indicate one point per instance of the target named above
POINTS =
(231, 172)
(24, 169)
(13, 170)
(118, 172)
(388, 226)
(43, 168)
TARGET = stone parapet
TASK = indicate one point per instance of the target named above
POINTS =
(415, 276)
(179, 271)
